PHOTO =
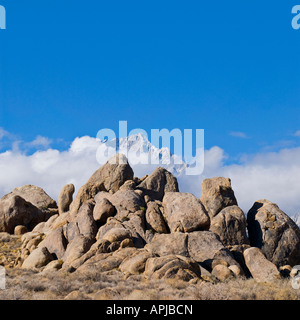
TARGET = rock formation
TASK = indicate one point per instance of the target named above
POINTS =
(146, 226)
(275, 233)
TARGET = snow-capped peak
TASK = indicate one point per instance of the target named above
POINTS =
(140, 151)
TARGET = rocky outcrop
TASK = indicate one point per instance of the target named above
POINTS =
(184, 212)
(146, 227)
(136, 263)
(217, 194)
(109, 177)
(154, 217)
(36, 196)
(55, 242)
(103, 210)
(276, 234)
(15, 211)
(202, 246)
(65, 198)
(226, 219)
(158, 183)
(124, 201)
(230, 224)
(261, 269)
(37, 259)
(172, 267)
(222, 272)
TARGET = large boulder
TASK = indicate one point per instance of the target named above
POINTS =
(154, 217)
(85, 220)
(262, 270)
(222, 272)
(116, 234)
(110, 177)
(172, 267)
(158, 183)
(65, 198)
(14, 211)
(102, 262)
(217, 194)
(37, 259)
(275, 233)
(103, 210)
(135, 224)
(202, 246)
(55, 242)
(184, 212)
(76, 249)
(166, 244)
(124, 201)
(37, 196)
(230, 225)
(205, 247)
(135, 264)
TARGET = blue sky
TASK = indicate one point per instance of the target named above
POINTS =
(70, 68)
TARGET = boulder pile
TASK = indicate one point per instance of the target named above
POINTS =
(146, 226)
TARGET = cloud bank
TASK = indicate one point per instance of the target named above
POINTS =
(271, 175)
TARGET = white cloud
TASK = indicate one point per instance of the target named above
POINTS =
(274, 176)
(49, 169)
(238, 134)
(271, 175)
(39, 142)
(297, 133)
(3, 133)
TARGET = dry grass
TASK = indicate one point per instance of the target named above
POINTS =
(30, 285)
(9, 249)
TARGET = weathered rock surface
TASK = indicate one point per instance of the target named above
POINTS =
(37, 196)
(184, 212)
(116, 234)
(109, 178)
(276, 234)
(217, 194)
(124, 201)
(106, 261)
(222, 272)
(202, 246)
(20, 230)
(172, 267)
(103, 210)
(56, 243)
(146, 228)
(135, 224)
(135, 264)
(65, 198)
(166, 244)
(158, 183)
(76, 249)
(205, 246)
(85, 221)
(230, 225)
(261, 269)
(237, 252)
(37, 259)
(14, 211)
(154, 217)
